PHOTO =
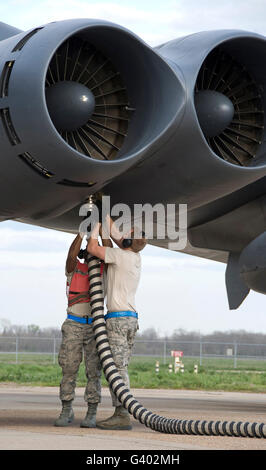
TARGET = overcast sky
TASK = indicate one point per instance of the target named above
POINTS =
(176, 290)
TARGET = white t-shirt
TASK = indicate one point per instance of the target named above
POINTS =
(123, 274)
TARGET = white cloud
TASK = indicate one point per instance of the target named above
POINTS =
(36, 249)
(141, 20)
(30, 239)
(154, 22)
(197, 16)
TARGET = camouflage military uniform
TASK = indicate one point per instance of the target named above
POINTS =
(76, 339)
(121, 334)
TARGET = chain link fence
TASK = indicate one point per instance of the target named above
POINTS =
(18, 349)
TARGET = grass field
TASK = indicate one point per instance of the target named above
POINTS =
(215, 374)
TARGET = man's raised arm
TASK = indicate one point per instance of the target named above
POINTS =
(105, 239)
(114, 232)
(73, 253)
(92, 246)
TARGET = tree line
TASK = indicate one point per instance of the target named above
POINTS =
(150, 334)
(148, 342)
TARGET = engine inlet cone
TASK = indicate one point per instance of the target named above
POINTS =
(70, 104)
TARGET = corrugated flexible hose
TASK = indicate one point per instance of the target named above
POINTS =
(151, 420)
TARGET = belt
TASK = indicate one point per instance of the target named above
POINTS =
(128, 313)
(85, 320)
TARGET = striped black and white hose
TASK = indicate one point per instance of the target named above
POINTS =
(151, 420)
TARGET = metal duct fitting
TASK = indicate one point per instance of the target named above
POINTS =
(151, 420)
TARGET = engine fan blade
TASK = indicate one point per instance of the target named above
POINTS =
(96, 127)
(221, 81)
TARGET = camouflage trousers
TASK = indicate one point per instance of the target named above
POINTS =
(78, 339)
(121, 334)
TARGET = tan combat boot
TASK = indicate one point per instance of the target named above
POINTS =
(90, 419)
(119, 421)
(66, 416)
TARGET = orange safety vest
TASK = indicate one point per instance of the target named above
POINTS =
(78, 290)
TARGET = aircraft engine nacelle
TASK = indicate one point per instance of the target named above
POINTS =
(80, 103)
(86, 104)
(246, 270)
(252, 264)
(219, 144)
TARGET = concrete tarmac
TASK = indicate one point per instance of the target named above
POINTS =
(27, 415)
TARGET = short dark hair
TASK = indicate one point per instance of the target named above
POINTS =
(138, 240)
